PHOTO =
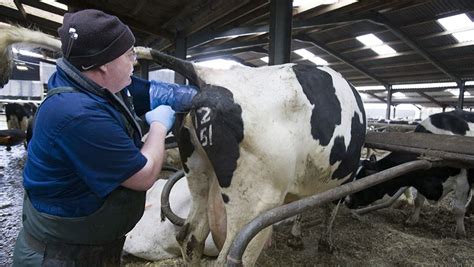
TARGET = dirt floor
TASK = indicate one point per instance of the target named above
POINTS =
(380, 238)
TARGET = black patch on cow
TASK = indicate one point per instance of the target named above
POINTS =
(349, 158)
(220, 129)
(427, 182)
(360, 104)
(319, 89)
(225, 198)
(421, 129)
(454, 121)
(186, 148)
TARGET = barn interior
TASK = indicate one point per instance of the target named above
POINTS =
(407, 58)
(396, 53)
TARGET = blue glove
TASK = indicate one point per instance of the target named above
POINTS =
(162, 114)
(178, 96)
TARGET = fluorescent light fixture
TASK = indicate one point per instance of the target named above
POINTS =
(455, 92)
(55, 4)
(26, 53)
(376, 44)
(370, 87)
(465, 36)
(383, 50)
(369, 40)
(424, 85)
(21, 67)
(264, 59)
(311, 57)
(219, 63)
(456, 22)
(469, 83)
(399, 95)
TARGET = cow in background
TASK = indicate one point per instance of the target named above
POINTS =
(19, 114)
(153, 238)
(432, 184)
(256, 137)
(19, 117)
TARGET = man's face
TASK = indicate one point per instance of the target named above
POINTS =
(119, 71)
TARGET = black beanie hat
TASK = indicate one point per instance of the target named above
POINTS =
(101, 38)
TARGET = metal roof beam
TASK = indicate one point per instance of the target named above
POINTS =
(205, 36)
(227, 47)
(20, 8)
(432, 99)
(380, 19)
(225, 53)
(374, 96)
(45, 7)
(9, 15)
(306, 38)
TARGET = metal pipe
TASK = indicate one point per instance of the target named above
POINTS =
(385, 204)
(450, 159)
(165, 199)
(234, 258)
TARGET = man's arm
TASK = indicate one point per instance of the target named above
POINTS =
(154, 152)
(161, 120)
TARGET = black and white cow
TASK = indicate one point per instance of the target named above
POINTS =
(258, 136)
(19, 114)
(432, 184)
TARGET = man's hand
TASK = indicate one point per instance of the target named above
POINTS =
(162, 114)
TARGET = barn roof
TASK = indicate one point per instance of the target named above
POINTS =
(426, 52)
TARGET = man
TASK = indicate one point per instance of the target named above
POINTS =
(87, 170)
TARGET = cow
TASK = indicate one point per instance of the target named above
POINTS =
(432, 184)
(153, 238)
(257, 137)
(19, 114)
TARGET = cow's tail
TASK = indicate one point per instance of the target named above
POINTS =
(183, 67)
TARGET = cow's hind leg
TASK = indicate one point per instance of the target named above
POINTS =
(243, 206)
(193, 234)
(461, 197)
(325, 242)
(415, 216)
(296, 238)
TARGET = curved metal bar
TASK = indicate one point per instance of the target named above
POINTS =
(385, 204)
(165, 199)
(234, 258)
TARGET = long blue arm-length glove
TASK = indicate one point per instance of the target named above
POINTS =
(178, 96)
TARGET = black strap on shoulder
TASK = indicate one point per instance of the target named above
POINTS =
(60, 90)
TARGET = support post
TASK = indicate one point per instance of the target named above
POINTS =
(280, 31)
(389, 102)
(461, 95)
(180, 52)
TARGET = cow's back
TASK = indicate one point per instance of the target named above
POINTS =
(306, 124)
(457, 122)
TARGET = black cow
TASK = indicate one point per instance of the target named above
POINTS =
(432, 184)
